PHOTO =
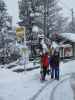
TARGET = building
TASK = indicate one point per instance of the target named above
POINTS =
(67, 44)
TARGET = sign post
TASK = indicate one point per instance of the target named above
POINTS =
(25, 56)
(21, 38)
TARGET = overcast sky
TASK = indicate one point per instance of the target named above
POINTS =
(12, 6)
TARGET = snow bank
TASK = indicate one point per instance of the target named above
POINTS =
(68, 67)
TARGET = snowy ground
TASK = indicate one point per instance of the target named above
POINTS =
(27, 85)
(19, 66)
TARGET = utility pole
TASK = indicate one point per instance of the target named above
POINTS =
(45, 17)
(48, 4)
(3, 43)
(72, 14)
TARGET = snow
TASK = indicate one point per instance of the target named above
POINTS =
(20, 45)
(35, 29)
(17, 87)
(67, 67)
(41, 35)
(65, 45)
(27, 86)
(65, 94)
(35, 14)
(69, 36)
(55, 45)
(26, 66)
(44, 46)
(32, 15)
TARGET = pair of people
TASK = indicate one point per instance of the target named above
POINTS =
(54, 64)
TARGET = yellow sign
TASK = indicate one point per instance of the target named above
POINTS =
(20, 33)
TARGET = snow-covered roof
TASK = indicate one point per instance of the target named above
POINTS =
(55, 45)
(69, 36)
(65, 45)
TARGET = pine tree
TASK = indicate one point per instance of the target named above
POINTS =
(49, 14)
(3, 14)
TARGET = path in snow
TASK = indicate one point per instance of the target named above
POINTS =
(43, 93)
(28, 86)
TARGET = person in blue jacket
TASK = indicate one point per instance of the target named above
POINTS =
(54, 64)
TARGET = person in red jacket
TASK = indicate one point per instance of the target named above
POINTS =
(44, 65)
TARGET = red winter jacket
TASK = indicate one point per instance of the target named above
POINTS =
(44, 60)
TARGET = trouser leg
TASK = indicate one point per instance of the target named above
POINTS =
(44, 72)
(57, 73)
(52, 72)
